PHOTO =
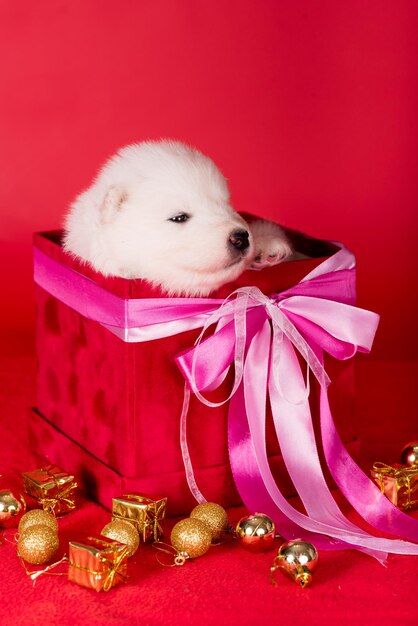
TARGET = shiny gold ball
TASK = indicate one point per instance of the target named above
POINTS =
(191, 536)
(37, 544)
(37, 517)
(124, 532)
(409, 454)
(12, 507)
(256, 532)
(298, 559)
(213, 515)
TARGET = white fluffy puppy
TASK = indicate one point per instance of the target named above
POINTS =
(160, 211)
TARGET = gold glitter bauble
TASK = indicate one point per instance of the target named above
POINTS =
(192, 537)
(37, 544)
(213, 515)
(124, 532)
(37, 517)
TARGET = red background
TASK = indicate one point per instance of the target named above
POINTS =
(309, 108)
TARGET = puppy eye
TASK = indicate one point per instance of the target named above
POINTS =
(180, 217)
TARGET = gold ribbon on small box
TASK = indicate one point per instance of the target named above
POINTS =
(52, 487)
(114, 567)
(143, 512)
(399, 484)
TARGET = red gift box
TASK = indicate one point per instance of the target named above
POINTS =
(109, 409)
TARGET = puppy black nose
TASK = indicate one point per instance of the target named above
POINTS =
(239, 239)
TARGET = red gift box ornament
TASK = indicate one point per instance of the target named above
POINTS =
(261, 339)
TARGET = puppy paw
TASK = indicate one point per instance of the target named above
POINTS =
(270, 245)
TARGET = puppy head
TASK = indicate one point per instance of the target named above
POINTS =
(163, 214)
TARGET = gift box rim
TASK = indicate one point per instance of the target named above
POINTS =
(50, 243)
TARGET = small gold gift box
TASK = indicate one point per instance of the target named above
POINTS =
(52, 488)
(398, 483)
(97, 563)
(143, 512)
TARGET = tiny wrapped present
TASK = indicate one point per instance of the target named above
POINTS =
(52, 488)
(144, 513)
(399, 484)
(97, 563)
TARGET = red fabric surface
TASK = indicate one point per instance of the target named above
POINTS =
(227, 585)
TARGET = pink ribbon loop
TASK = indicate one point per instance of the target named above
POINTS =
(339, 329)
(203, 363)
(280, 326)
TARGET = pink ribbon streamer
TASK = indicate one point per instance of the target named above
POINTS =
(260, 337)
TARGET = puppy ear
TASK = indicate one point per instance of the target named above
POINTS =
(112, 203)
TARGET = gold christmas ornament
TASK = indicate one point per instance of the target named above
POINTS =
(213, 515)
(297, 559)
(12, 507)
(409, 454)
(124, 532)
(191, 537)
(399, 484)
(37, 544)
(52, 488)
(38, 517)
(146, 514)
(256, 532)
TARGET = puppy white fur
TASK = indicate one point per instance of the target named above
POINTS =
(160, 211)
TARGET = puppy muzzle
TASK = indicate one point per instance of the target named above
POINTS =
(239, 240)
